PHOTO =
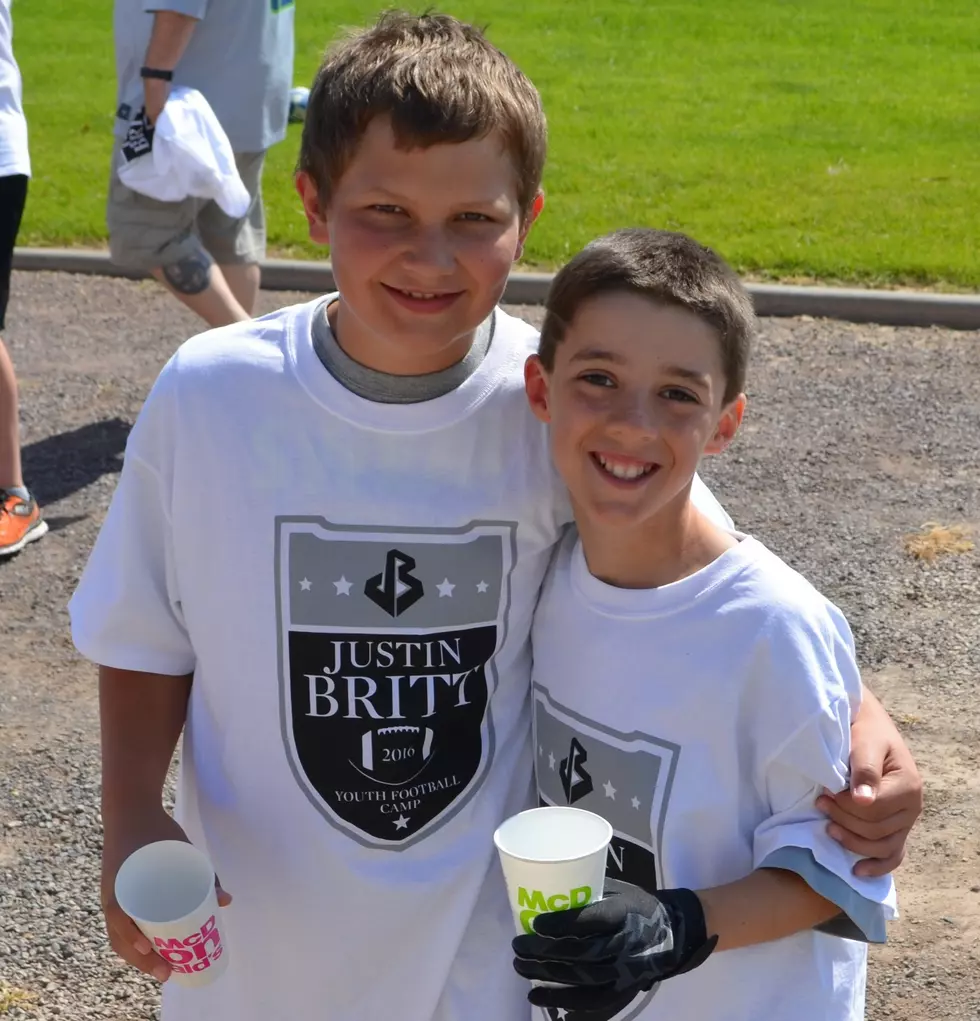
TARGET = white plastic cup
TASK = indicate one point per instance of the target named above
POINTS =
(167, 888)
(553, 859)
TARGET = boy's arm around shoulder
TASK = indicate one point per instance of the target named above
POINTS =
(874, 811)
(801, 747)
(875, 814)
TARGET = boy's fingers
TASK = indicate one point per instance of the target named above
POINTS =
(897, 824)
(888, 851)
(149, 964)
(873, 809)
(869, 867)
(132, 946)
(224, 897)
(880, 829)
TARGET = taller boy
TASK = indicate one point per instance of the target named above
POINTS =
(335, 521)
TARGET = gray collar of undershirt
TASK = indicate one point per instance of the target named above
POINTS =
(383, 388)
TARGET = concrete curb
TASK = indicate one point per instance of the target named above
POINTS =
(893, 308)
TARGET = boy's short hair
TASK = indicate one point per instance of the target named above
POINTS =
(438, 79)
(669, 269)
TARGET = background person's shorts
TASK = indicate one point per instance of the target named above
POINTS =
(13, 195)
(147, 234)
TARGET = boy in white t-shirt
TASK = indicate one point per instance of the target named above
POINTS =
(688, 685)
(323, 556)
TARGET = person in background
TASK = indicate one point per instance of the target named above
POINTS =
(239, 55)
(20, 516)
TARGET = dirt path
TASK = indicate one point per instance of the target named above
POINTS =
(855, 437)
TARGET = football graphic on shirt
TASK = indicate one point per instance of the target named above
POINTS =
(394, 755)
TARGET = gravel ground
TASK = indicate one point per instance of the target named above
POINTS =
(855, 437)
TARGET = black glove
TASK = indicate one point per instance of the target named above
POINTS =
(608, 952)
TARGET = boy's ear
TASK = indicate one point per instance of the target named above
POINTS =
(536, 206)
(316, 215)
(536, 384)
(728, 424)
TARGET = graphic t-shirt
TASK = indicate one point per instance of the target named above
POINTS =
(240, 58)
(14, 157)
(702, 719)
(352, 584)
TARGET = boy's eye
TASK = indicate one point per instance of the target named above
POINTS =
(675, 393)
(597, 379)
(383, 207)
(474, 217)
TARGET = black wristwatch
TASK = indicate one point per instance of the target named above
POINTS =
(156, 72)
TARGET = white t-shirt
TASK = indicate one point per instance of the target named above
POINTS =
(702, 719)
(352, 584)
(14, 157)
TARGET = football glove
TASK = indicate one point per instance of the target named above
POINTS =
(605, 954)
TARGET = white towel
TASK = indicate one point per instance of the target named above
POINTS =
(185, 154)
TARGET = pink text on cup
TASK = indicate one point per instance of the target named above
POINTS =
(191, 954)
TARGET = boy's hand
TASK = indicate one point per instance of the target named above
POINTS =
(608, 952)
(874, 817)
(124, 936)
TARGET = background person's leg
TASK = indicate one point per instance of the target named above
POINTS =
(11, 476)
(161, 238)
(238, 245)
(200, 284)
(13, 196)
(20, 517)
(244, 279)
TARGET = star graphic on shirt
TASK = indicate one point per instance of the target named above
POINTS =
(401, 823)
(635, 802)
(306, 584)
(562, 1013)
(540, 749)
(609, 789)
(482, 586)
(551, 760)
(343, 586)
(445, 588)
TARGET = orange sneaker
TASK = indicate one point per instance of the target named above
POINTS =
(20, 523)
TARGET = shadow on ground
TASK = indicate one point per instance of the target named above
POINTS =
(63, 464)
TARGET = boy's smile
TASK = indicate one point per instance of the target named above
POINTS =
(422, 241)
(624, 469)
(634, 401)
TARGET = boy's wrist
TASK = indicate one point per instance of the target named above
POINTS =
(127, 804)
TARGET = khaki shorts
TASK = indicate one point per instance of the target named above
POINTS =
(146, 234)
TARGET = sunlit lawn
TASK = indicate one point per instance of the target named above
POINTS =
(830, 139)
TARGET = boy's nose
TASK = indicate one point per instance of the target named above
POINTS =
(431, 250)
(634, 418)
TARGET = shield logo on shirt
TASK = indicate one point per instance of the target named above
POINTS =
(387, 641)
(627, 778)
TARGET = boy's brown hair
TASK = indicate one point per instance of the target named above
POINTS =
(669, 269)
(438, 79)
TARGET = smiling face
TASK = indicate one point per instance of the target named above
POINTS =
(421, 243)
(635, 399)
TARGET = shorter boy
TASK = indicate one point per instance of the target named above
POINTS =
(688, 685)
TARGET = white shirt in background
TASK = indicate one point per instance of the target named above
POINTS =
(14, 157)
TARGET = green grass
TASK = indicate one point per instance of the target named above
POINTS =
(830, 139)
